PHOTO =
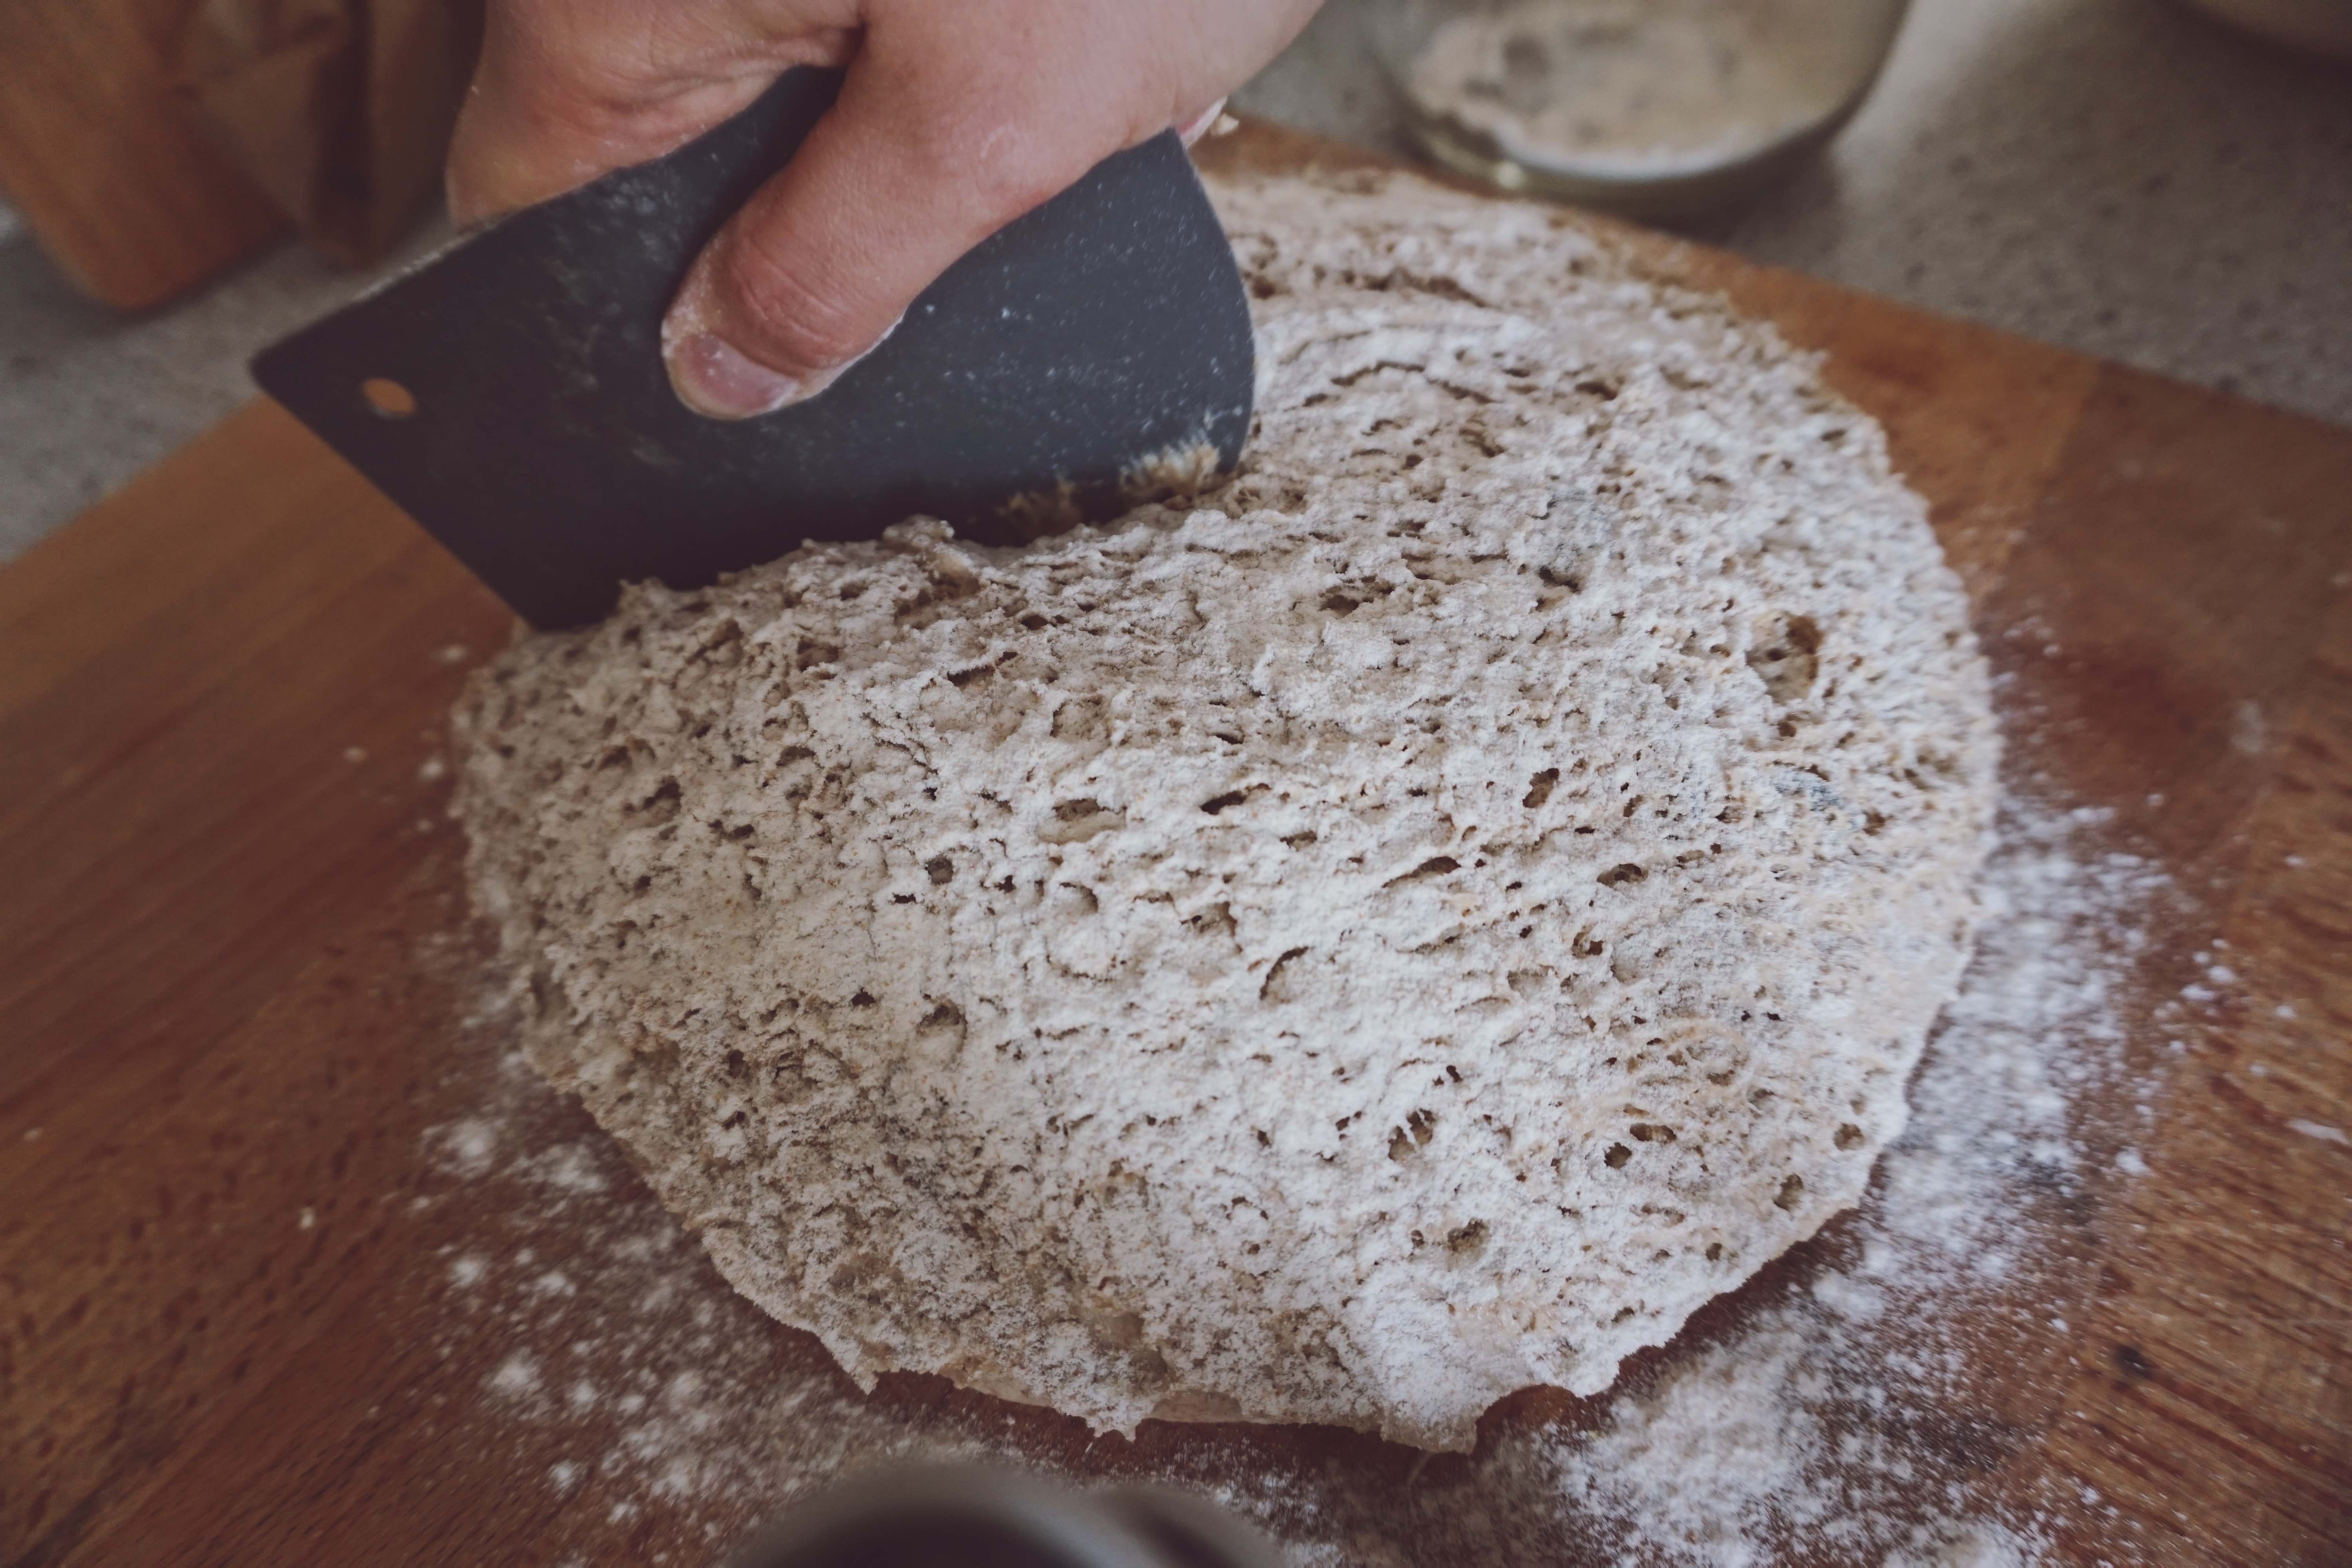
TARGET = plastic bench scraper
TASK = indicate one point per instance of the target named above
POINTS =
(508, 394)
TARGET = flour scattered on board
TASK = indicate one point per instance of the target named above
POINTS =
(1846, 1403)
(1835, 1405)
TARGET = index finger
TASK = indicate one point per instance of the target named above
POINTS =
(570, 89)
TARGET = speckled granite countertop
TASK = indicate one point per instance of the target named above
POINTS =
(2120, 176)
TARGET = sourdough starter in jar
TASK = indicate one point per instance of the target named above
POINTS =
(1635, 89)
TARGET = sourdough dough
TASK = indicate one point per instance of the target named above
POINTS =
(1412, 924)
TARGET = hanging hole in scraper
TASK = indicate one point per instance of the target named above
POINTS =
(388, 399)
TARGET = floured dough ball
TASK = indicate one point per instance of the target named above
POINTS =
(1413, 925)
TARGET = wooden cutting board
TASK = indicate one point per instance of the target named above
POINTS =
(248, 1037)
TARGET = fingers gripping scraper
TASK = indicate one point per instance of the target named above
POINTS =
(510, 394)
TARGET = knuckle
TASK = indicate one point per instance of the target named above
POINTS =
(1006, 182)
(1007, 188)
(998, 163)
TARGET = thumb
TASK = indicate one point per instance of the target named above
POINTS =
(890, 188)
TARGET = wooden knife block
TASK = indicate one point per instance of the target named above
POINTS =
(134, 197)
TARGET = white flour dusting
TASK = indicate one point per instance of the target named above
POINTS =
(1842, 1409)
(1794, 1427)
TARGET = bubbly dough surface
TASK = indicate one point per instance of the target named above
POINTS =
(1412, 924)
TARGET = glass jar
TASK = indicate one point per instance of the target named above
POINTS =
(1649, 107)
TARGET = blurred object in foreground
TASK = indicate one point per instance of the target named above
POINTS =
(1650, 107)
(338, 110)
(975, 1517)
(149, 143)
(2320, 26)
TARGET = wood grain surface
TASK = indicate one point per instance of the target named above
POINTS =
(98, 153)
(296, 1266)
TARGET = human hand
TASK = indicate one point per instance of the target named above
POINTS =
(956, 117)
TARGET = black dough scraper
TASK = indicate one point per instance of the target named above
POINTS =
(510, 394)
